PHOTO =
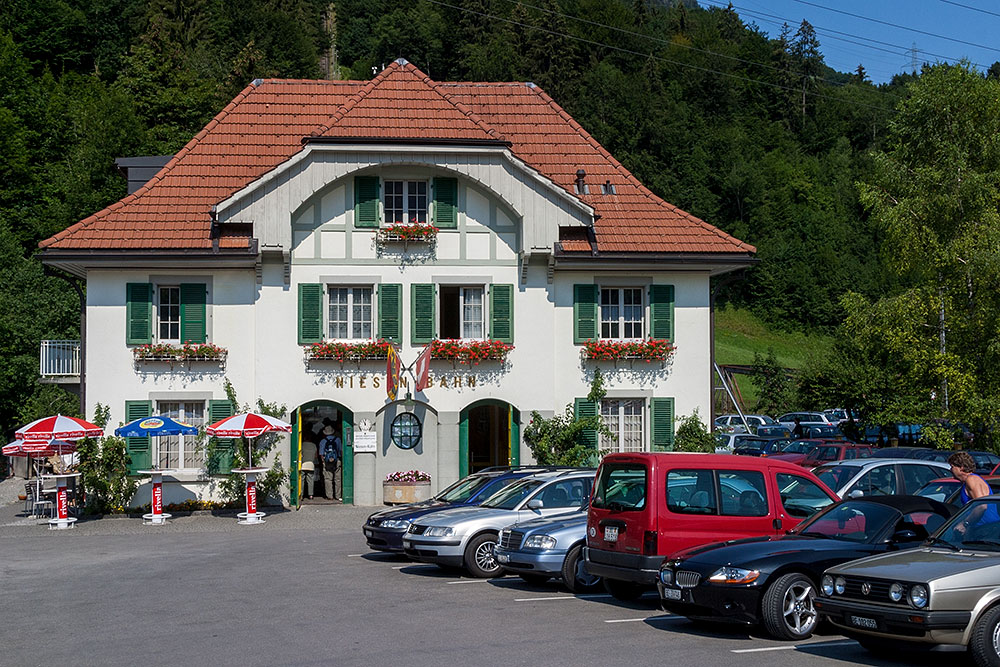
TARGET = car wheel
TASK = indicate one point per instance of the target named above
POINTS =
(625, 591)
(985, 641)
(534, 579)
(575, 575)
(788, 608)
(480, 559)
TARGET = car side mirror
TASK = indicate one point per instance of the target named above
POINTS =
(856, 493)
(535, 504)
(905, 536)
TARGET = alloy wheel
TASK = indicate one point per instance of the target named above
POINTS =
(799, 611)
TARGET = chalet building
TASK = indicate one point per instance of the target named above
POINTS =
(310, 220)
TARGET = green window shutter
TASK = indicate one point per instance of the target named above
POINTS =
(221, 462)
(310, 313)
(585, 321)
(661, 312)
(502, 313)
(445, 203)
(662, 424)
(422, 313)
(139, 452)
(583, 408)
(138, 313)
(390, 322)
(366, 201)
(193, 316)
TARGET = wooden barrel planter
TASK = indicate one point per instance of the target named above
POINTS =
(400, 493)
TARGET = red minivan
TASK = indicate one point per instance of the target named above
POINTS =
(645, 507)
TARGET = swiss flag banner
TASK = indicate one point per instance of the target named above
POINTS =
(392, 368)
(422, 369)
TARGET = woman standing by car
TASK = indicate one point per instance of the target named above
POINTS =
(963, 468)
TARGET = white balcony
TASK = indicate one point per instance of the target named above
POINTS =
(59, 361)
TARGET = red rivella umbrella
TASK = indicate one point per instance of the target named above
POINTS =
(248, 425)
(58, 427)
(36, 450)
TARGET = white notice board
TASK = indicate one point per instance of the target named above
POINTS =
(365, 441)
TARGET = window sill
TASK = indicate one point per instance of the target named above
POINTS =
(187, 363)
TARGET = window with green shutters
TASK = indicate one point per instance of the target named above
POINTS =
(366, 201)
(138, 313)
(139, 449)
(662, 424)
(583, 408)
(193, 312)
(585, 318)
(422, 329)
(502, 313)
(445, 215)
(221, 460)
(390, 321)
(661, 309)
(310, 313)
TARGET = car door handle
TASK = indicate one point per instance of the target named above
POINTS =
(777, 524)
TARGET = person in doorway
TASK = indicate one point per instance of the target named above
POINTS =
(963, 468)
(330, 451)
(308, 467)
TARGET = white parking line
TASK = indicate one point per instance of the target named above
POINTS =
(470, 581)
(355, 555)
(554, 597)
(793, 646)
(646, 618)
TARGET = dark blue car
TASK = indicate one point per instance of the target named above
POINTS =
(384, 529)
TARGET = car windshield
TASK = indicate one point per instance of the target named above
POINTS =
(464, 489)
(940, 491)
(835, 476)
(508, 498)
(799, 447)
(621, 487)
(976, 527)
(851, 520)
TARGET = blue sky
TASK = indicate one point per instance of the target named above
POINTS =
(956, 31)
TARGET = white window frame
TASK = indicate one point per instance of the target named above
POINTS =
(408, 212)
(620, 426)
(620, 320)
(327, 322)
(159, 294)
(462, 321)
(187, 445)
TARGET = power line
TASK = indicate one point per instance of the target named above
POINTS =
(975, 9)
(896, 25)
(653, 57)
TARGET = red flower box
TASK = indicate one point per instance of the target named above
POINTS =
(650, 349)
(341, 351)
(470, 351)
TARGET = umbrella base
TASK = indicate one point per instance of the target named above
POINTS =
(155, 519)
(249, 518)
(62, 524)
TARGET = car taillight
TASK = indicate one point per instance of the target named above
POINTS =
(649, 543)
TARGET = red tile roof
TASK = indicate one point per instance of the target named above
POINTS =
(266, 123)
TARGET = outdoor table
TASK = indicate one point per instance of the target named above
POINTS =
(251, 516)
(63, 520)
(156, 517)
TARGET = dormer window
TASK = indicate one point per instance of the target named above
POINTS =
(405, 201)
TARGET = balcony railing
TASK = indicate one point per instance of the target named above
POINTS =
(59, 358)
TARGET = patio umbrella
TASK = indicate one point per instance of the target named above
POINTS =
(40, 450)
(248, 425)
(58, 427)
(155, 427)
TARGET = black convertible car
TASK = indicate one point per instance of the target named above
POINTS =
(773, 580)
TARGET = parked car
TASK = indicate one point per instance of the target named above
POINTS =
(762, 446)
(725, 443)
(734, 423)
(949, 490)
(822, 432)
(774, 431)
(805, 419)
(944, 593)
(542, 549)
(823, 451)
(986, 462)
(384, 529)
(647, 506)
(773, 580)
(878, 477)
(467, 536)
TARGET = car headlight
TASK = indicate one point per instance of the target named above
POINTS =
(839, 585)
(896, 592)
(439, 531)
(826, 583)
(540, 542)
(667, 576)
(734, 575)
(918, 596)
(402, 524)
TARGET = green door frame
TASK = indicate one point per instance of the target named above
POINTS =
(513, 434)
(347, 451)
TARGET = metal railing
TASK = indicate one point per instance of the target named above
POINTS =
(59, 358)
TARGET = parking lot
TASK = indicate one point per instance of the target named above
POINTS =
(304, 590)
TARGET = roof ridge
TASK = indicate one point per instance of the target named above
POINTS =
(128, 199)
(629, 176)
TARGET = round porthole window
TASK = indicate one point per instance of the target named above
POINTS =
(405, 430)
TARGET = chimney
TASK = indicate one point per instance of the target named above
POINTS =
(581, 187)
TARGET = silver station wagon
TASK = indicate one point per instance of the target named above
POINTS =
(945, 594)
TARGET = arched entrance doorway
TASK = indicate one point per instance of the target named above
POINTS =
(489, 434)
(308, 419)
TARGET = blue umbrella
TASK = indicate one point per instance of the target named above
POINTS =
(155, 427)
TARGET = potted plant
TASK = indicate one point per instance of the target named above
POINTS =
(410, 486)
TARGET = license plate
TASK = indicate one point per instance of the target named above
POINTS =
(611, 533)
(671, 594)
(503, 558)
(862, 622)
